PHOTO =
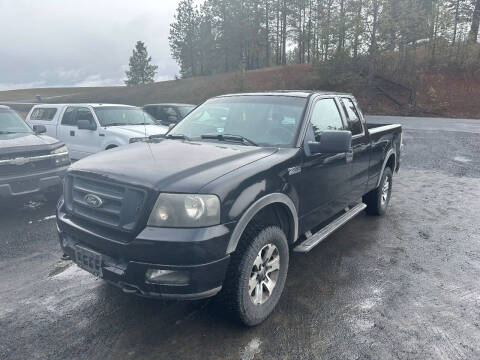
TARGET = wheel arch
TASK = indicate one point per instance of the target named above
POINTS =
(271, 201)
(389, 161)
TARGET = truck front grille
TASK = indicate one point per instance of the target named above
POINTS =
(9, 169)
(116, 206)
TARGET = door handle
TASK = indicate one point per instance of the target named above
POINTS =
(72, 133)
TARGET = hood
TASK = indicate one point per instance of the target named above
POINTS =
(170, 165)
(137, 130)
(29, 142)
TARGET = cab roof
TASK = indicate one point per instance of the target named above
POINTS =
(292, 93)
(95, 105)
(169, 104)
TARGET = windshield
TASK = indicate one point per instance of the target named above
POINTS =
(117, 116)
(263, 120)
(185, 110)
(12, 123)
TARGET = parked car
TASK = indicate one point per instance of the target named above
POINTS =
(29, 162)
(167, 114)
(89, 128)
(218, 204)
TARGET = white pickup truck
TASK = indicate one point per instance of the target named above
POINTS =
(89, 128)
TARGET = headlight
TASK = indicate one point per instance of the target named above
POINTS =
(139, 139)
(62, 150)
(61, 156)
(185, 210)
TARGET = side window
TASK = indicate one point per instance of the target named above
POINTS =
(43, 114)
(150, 110)
(354, 122)
(85, 114)
(170, 111)
(161, 113)
(69, 117)
(325, 116)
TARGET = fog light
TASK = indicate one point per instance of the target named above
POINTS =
(167, 277)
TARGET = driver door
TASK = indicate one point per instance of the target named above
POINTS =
(324, 183)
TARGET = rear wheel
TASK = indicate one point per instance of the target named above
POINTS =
(257, 274)
(377, 200)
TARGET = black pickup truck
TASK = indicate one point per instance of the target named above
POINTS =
(217, 204)
(29, 162)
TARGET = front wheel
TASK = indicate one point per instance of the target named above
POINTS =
(378, 199)
(256, 275)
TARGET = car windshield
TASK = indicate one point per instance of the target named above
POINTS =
(119, 115)
(12, 123)
(263, 120)
(185, 110)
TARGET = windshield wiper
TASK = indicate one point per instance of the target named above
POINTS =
(229, 137)
(177, 136)
(114, 124)
(11, 132)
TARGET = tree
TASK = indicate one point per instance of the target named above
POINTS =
(141, 70)
(184, 37)
(473, 36)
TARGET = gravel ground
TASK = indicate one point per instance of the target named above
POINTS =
(404, 286)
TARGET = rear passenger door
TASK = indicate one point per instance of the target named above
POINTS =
(325, 184)
(361, 148)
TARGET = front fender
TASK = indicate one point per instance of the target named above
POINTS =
(248, 215)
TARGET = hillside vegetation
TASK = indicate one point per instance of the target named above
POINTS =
(438, 93)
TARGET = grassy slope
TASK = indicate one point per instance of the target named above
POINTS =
(447, 95)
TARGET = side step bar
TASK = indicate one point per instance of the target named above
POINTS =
(322, 234)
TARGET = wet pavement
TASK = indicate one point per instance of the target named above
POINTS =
(404, 286)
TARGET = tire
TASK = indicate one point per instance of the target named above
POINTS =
(377, 200)
(236, 296)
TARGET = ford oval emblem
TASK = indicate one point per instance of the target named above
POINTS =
(93, 201)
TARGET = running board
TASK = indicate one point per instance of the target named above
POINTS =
(322, 234)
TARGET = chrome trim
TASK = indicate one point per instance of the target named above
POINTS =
(322, 234)
(383, 128)
(31, 158)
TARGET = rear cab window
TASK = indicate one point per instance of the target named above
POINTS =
(43, 114)
(355, 124)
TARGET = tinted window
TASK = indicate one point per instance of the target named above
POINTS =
(85, 114)
(184, 110)
(325, 116)
(266, 120)
(353, 118)
(69, 117)
(163, 112)
(122, 115)
(44, 114)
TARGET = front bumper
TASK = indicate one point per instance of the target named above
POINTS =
(199, 252)
(31, 183)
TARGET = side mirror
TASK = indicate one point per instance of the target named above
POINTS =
(332, 142)
(39, 129)
(86, 125)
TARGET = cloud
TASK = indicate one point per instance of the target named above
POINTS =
(66, 43)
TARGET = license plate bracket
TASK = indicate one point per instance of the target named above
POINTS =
(89, 260)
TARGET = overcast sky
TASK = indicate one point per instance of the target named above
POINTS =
(47, 43)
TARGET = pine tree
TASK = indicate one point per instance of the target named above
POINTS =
(141, 70)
